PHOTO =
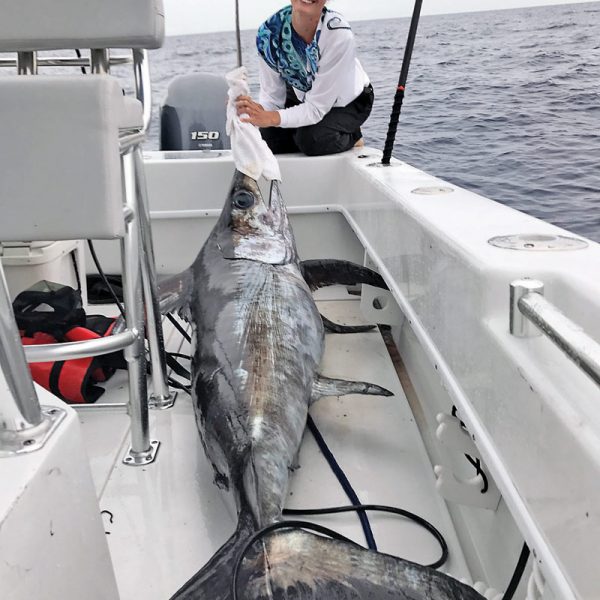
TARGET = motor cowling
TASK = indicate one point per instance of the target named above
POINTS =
(193, 115)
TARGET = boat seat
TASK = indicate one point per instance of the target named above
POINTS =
(30, 25)
(130, 114)
(60, 171)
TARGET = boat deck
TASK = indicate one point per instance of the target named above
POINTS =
(168, 518)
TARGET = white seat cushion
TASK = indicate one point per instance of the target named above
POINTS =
(60, 172)
(59, 24)
(131, 114)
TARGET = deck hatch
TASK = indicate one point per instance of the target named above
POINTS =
(538, 242)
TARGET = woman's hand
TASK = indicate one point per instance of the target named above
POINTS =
(255, 113)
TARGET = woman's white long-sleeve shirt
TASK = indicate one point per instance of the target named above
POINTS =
(340, 78)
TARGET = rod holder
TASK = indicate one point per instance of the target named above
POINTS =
(27, 63)
(520, 325)
(529, 308)
(100, 61)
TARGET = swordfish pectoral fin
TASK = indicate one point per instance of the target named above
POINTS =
(174, 293)
(321, 273)
(213, 581)
(326, 386)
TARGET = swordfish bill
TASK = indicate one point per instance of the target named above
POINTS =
(257, 343)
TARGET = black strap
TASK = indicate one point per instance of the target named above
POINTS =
(54, 310)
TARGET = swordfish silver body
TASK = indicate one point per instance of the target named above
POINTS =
(258, 345)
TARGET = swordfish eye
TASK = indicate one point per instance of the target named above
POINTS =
(243, 200)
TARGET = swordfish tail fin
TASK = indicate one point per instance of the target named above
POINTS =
(297, 565)
(302, 566)
(213, 581)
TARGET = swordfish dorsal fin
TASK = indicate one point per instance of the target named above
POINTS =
(326, 386)
(321, 273)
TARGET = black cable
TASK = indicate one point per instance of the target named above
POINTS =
(518, 574)
(381, 508)
(179, 328)
(179, 386)
(78, 52)
(76, 270)
(104, 279)
(274, 527)
(177, 367)
(474, 461)
(477, 464)
(344, 482)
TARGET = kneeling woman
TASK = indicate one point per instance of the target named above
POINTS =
(314, 93)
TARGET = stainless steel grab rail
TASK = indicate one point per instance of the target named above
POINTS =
(528, 306)
(143, 87)
(72, 350)
(21, 410)
(63, 61)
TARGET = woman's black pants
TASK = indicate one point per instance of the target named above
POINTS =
(337, 132)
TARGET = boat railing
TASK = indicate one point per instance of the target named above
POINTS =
(531, 314)
(22, 410)
(61, 61)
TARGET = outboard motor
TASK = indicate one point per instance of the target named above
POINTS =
(193, 115)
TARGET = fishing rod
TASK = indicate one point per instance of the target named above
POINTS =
(238, 34)
(399, 97)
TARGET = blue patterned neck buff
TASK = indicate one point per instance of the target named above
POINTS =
(286, 52)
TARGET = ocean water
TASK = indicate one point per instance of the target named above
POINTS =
(504, 103)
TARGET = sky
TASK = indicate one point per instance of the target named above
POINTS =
(200, 16)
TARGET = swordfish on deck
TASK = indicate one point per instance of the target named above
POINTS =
(257, 342)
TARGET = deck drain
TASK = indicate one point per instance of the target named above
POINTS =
(432, 190)
(537, 242)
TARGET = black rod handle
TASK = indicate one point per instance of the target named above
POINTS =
(399, 97)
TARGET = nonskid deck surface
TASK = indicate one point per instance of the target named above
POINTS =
(169, 518)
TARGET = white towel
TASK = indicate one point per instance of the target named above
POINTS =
(251, 154)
